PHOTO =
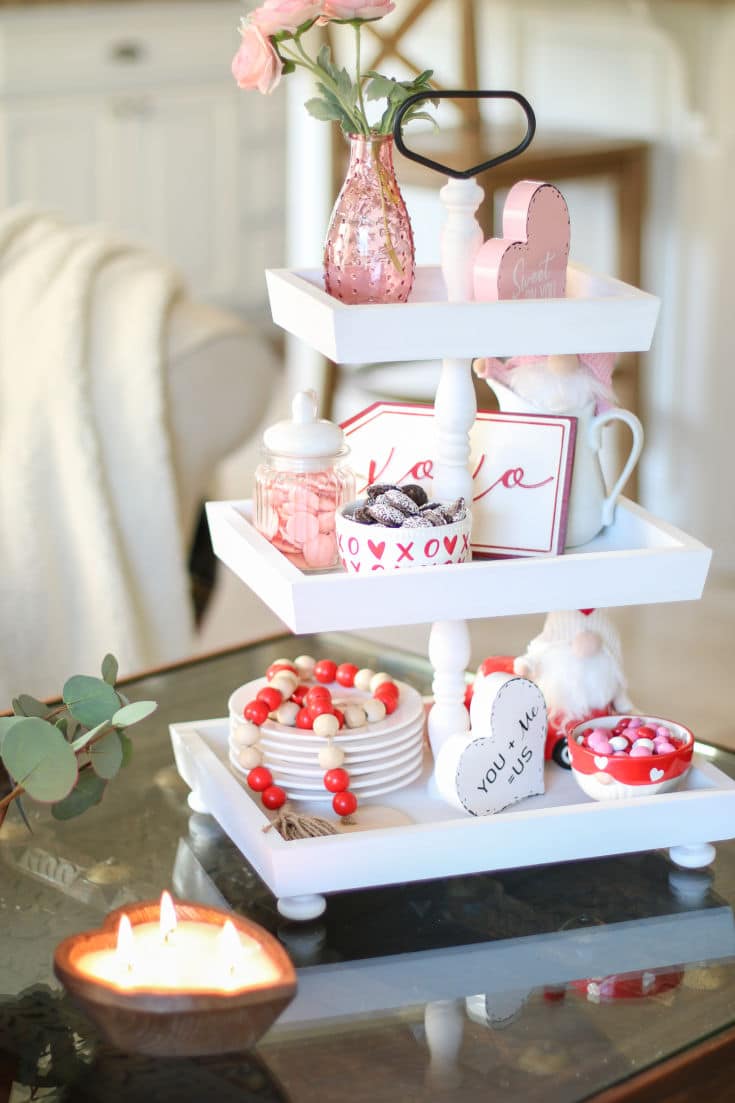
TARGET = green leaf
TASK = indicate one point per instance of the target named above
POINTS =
(31, 706)
(38, 757)
(109, 669)
(288, 67)
(132, 714)
(80, 743)
(380, 87)
(107, 755)
(89, 790)
(90, 700)
(346, 88)
(411, 116)
(127, 748)
(6, 723)
(325, 111)
(324, 61)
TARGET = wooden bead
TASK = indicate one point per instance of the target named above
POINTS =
(305, 665)
(325, 725)
(363, 678)
(245, 734)
(374, 710)
(249, 758)
(378, 679)
(287, 713)
(355, 716)
(285, 683)
(331, 757)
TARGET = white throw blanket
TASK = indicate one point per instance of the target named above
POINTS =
(91, 553)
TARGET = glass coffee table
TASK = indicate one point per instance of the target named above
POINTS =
(611, 979)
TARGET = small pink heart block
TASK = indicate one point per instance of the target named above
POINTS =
(530, 260)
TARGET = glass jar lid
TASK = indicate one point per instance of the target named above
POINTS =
(305, 435)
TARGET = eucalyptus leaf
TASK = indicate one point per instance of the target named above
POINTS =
(17, 707)
(107, 755)
(88, 791)
(90, 700)
(109, 669)
(63, 725)
(36, 754)
(6, 723)
(32, 706)
(133, 713)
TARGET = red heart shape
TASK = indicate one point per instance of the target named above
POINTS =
(450, 543)
(377, 549)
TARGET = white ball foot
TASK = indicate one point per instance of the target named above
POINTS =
(196, 803)
(695, 856)
(300, 909)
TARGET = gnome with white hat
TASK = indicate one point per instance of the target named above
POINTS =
(577, 664)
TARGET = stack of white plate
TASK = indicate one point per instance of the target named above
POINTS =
(379, 757)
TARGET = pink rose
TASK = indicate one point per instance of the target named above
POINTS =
(356, 9)
(256, 64)
(285, 15)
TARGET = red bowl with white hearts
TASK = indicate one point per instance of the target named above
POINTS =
(608, 777)
(364, 549)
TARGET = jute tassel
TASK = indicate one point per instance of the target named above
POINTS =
(292, 825)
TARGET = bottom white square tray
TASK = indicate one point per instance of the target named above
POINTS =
(415, 836)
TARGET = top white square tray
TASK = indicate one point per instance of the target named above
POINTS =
(599, 314)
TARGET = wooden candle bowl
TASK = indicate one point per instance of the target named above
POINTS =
(162, 1023)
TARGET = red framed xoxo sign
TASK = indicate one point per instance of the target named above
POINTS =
(521, 470)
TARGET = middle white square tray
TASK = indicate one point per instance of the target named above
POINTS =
(639, 560)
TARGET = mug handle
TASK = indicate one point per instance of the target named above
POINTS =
(595, 441)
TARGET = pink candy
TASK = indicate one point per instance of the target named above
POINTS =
(642, 739)
(297, 515)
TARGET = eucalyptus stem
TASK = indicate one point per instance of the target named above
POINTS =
(10, 797)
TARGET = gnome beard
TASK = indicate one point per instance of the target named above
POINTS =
(576, 664)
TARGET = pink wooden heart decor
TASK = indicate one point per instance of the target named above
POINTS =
(530, 260)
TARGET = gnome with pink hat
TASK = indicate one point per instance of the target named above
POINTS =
(576, 662)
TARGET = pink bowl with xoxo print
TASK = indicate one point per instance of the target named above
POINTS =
(364, 549)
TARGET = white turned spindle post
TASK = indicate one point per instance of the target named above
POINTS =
(455, 409)
(449, 654)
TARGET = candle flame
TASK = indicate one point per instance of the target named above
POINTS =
(167, 917)
(125, 944)
(231, 952)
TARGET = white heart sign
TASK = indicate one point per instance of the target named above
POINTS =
(655, 774)
(501, 759)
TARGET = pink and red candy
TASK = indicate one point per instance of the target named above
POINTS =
(632, 729)
(302, 519)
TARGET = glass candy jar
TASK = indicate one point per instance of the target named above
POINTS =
(302, 480)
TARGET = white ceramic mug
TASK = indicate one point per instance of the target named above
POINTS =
(591, 505)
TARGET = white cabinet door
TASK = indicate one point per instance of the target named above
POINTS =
(169, 178)
(49, 155)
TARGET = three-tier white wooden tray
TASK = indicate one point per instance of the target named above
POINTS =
(637, 560)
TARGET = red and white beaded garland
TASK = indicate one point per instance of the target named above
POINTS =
(292, 700)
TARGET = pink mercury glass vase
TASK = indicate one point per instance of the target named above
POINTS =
(369, 251)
